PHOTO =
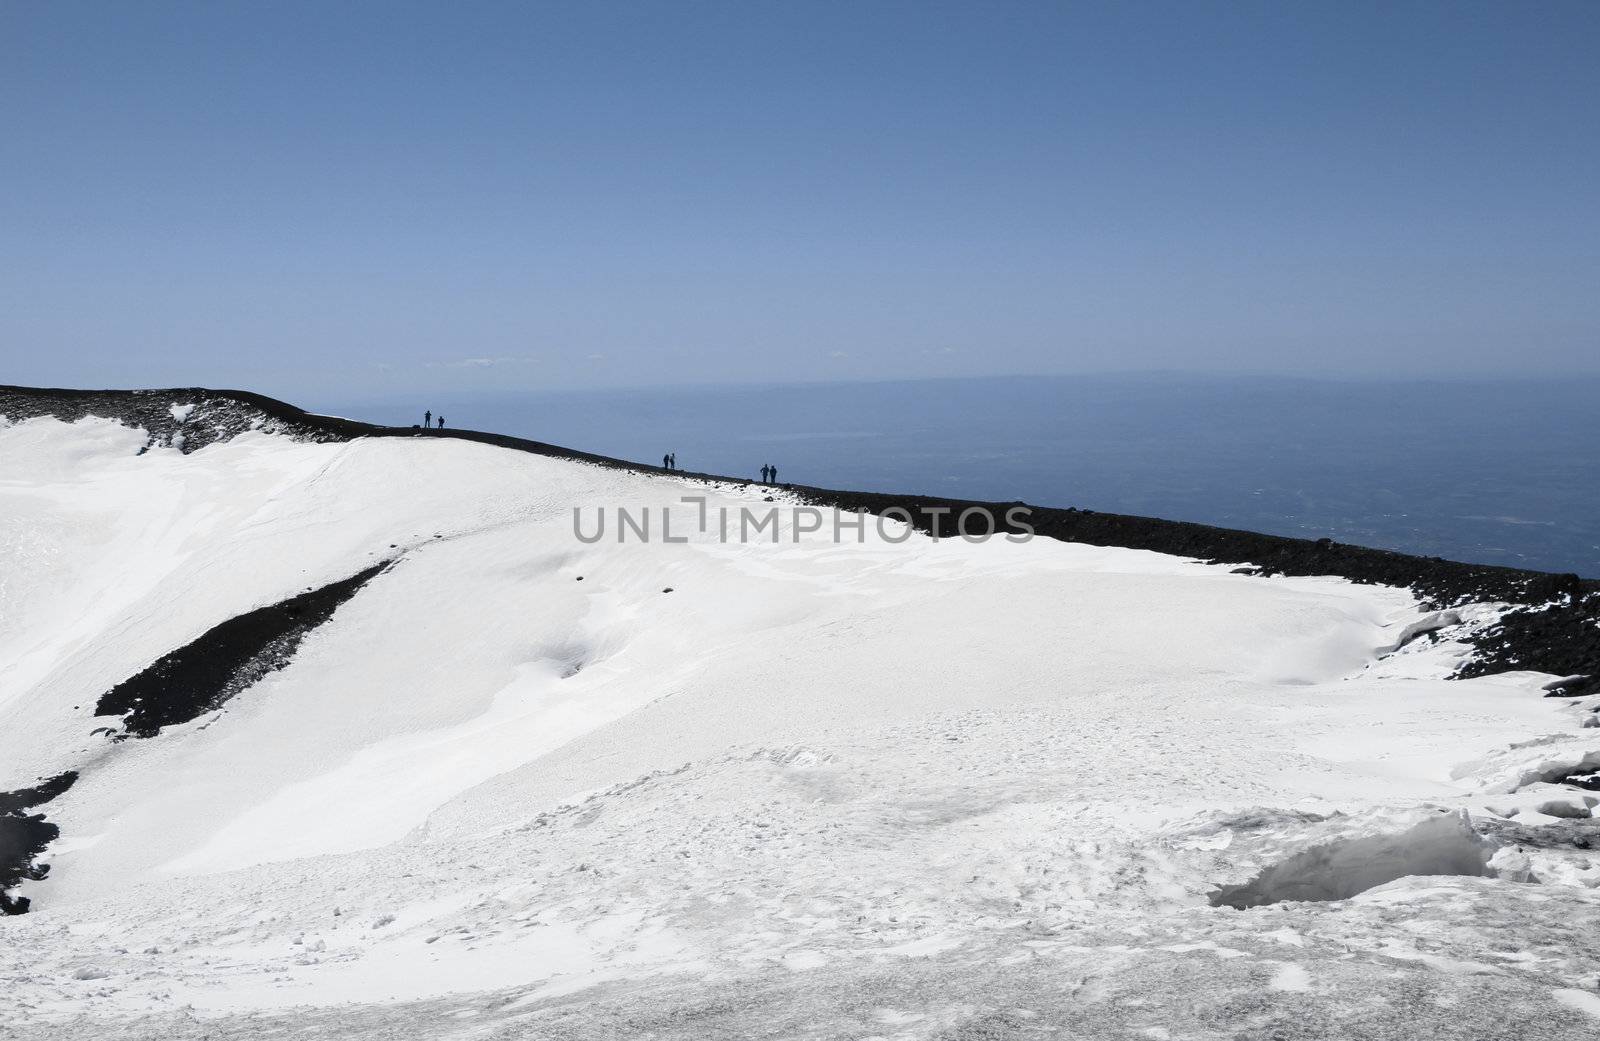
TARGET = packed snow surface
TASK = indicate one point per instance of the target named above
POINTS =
(894, 788)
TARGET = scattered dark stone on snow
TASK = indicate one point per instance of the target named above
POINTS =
(667, 590)
(23, 836)
(228, 658)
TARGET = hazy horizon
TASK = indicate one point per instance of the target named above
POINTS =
(1490, 471)
(315, 399)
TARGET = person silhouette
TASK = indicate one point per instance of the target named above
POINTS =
(766, 474)
(666, 462)
(441, 422)
(427, 418)
(773, 470)
(673, 460)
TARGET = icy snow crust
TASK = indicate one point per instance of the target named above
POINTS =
(927, 789)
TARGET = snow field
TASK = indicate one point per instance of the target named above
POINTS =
(914, 787)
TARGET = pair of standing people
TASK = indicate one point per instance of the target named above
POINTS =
(669, 461)
(769, 474)
(427, 420)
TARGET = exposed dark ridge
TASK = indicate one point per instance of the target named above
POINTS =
(206, 673)
(219, 415)
(38, 795)
(212, 416)
(1560, 638)
(23, 836)
(1549, 646)
(1441, 583)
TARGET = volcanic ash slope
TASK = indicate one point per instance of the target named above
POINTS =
(511, 786)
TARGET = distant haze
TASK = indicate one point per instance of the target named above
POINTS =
(320, 198)
(1496, 472)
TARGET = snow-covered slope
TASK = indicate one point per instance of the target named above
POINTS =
(516, 784)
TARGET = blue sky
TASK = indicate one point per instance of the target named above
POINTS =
(372, 198)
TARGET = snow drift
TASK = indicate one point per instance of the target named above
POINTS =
(505, 782)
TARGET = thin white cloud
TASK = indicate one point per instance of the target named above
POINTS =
(483, 363)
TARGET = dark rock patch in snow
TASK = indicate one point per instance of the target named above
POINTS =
(1561, 637)
(23, 836)
(228, 658)
(1589, 782)
(37, 795)
(1443, 845)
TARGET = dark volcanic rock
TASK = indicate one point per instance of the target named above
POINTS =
(23, 836)
(209, 416)
(1562, 638)
(38, 795)
(204, 674)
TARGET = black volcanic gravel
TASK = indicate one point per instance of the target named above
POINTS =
(204, 674)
